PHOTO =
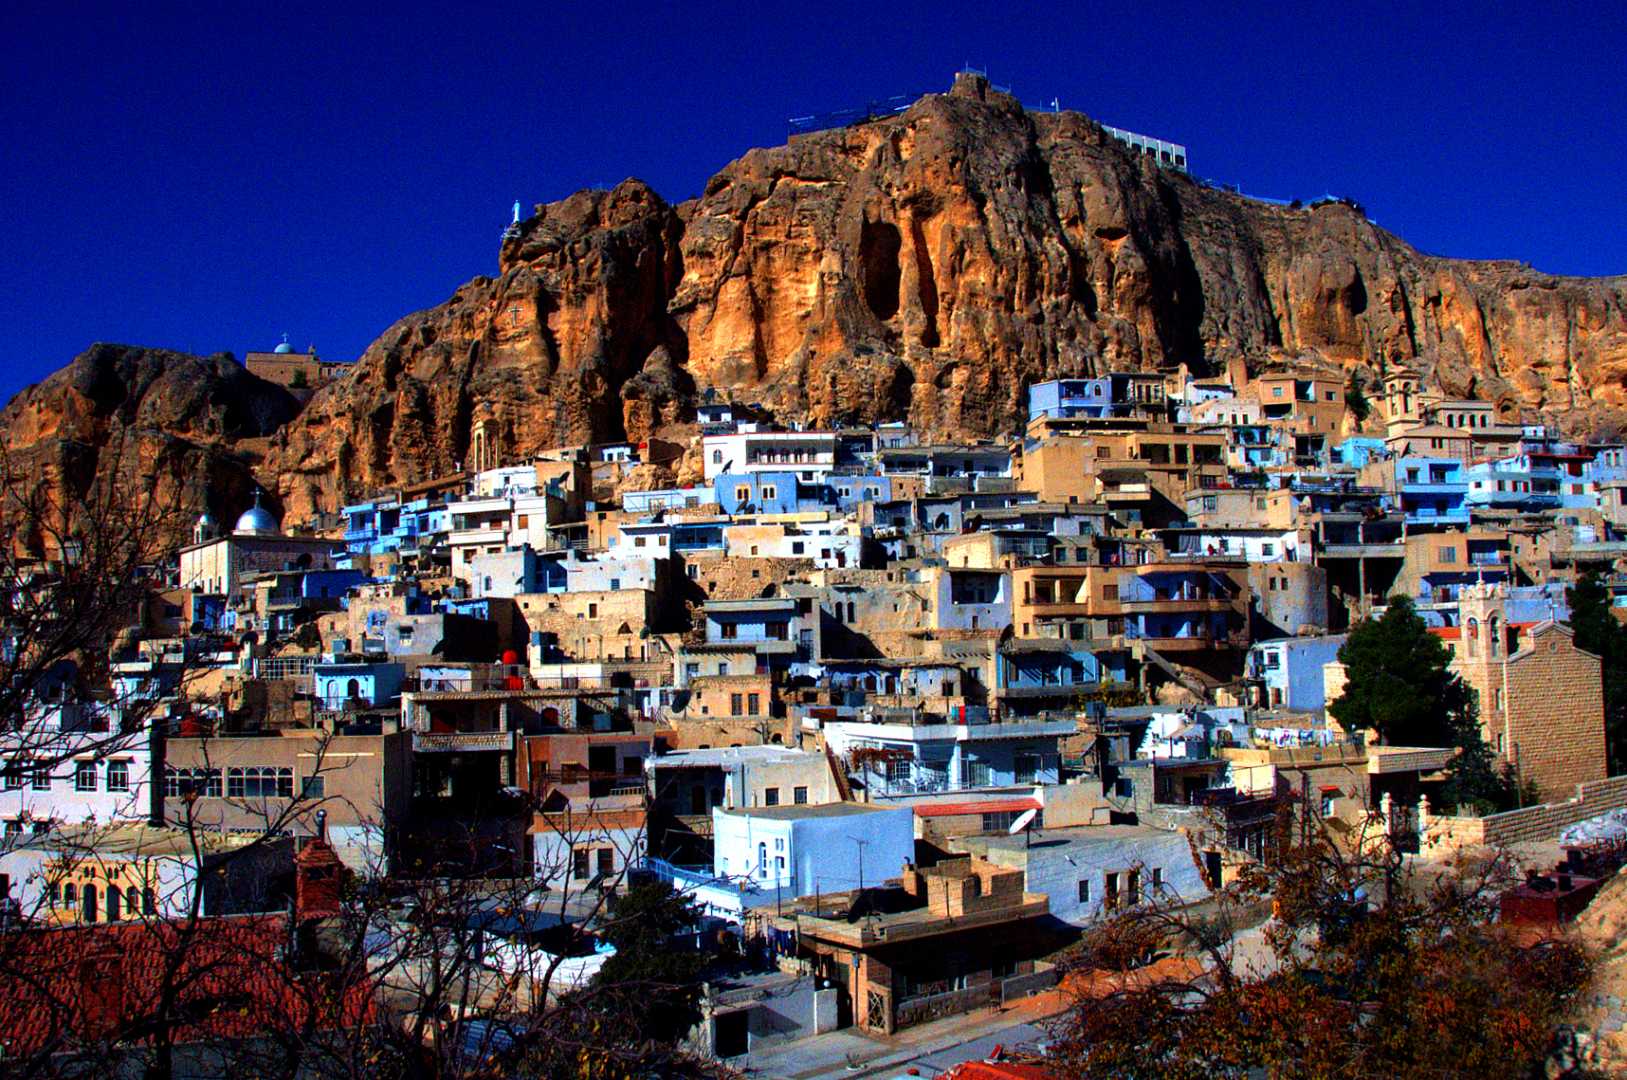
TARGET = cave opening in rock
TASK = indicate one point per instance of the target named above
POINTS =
(879, 276)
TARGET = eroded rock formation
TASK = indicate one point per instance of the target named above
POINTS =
(928, 267)
(181, 432)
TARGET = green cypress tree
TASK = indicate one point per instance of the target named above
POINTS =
(1397, 683)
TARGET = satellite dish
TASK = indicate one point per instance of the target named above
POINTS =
(1024, 819)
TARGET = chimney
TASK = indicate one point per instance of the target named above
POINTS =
(318, 876)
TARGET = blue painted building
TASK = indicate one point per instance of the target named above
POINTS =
(1040, 675)
(339, 683)
(1177, 606)
(1289, 670)
(851, 489)
(763, 493)
(1358, 450)
(1432, 492)
(771, 627)
(1071, 398)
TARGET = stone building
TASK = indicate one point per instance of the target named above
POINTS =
(1541, 698)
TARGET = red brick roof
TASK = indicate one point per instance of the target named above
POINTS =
(984, 806)
(72, 987)
(995, 1070)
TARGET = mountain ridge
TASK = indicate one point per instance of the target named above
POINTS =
(927, 267)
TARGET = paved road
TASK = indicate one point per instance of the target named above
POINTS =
(930, 1048)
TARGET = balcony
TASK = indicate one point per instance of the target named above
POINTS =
(459, 742)
(1176, 605)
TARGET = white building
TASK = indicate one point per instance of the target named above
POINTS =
(809, 454)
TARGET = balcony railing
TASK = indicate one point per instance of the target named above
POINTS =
(454, 742)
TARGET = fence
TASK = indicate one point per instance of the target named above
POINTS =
(1440, 832)
(1043, 977)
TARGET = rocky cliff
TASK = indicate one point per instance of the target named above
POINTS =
(927, 267)
(179, 432)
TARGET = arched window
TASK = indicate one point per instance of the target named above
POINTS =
(89, 910)
(132, 901)
(148, 903)
(762, 858)
(70, 896)
(114, 903)
(1494, 636)
(1471, 638)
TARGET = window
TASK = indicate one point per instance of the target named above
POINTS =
(799, 795)
(42, 778)
(1448, 555)
(579, 864)
(1276, 391)
(313, 787)
(736, 704)
(1084, 891)
(607, 861)
(257, 782)
(148, 906)
(84, 776)
(118, 775)
(742, 494)
(728, 631)
(14, 774)
(1110, 592)
(1027, 768)
(70, 896)
(1157, 877)
(797, 547)
(753, 704)
(1110, 891)
(769, 492)
(771, 796)
(593, 611)
(114, 903)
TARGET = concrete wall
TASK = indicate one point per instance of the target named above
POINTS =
(1440, 833)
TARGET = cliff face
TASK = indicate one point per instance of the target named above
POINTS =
(928, 267)
(179, 431)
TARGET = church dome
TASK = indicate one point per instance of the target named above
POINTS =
(284, 348)
(256, 521)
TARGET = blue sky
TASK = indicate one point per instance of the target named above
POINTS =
(208, 178)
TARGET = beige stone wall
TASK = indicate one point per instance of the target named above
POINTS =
(1441, 834)
(1556, 707)
(741, 579)
(593, 626)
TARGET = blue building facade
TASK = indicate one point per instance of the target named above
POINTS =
(1432, 491)
(1071, 398)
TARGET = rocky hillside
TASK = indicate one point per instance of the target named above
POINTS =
(928, 267)
(181, 431)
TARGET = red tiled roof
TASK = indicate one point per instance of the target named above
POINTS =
(985, 806)
(67, 988)
(1450, 633)
(995, 1070)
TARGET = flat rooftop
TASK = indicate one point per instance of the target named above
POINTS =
(1080, 836)
(817, 810)
(726, 756)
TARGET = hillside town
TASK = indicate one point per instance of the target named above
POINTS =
(900, 719)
